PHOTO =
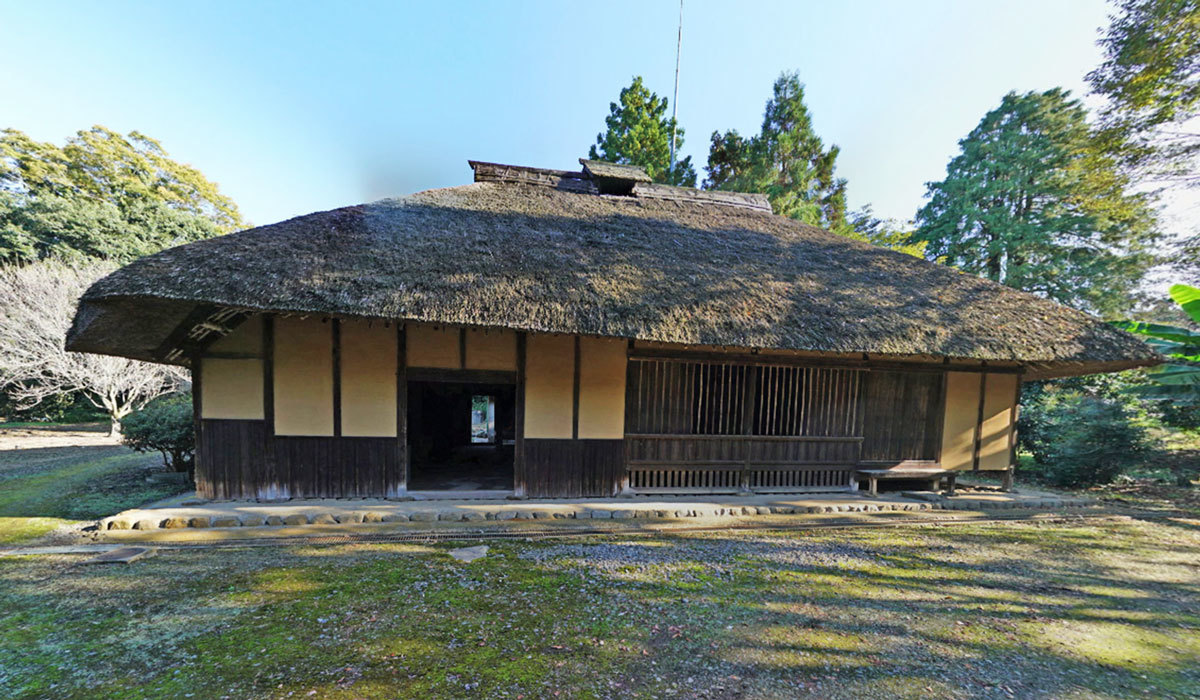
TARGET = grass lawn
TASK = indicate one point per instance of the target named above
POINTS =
(1094, 610)
(77, 476)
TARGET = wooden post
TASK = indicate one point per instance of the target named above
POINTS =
(399, 487)
(270, 475)
(750, 393)
(575, 395)
(941, 424)
(336, 331)
(198, 474)
(979, 422)
(1013, 414)
(519, 438)
(631, 409)
(344, 479)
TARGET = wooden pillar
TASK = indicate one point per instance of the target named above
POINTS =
(1014, 413)
(631, 408)
(336, 332)
(979, 422)
(575, 395)
(276, 486)
(519, 446)
(199, 478)
(943, 387)
(750, 394)
(398, 485)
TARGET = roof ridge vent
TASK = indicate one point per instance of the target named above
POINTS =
(725, 198)
(574, 181)
(614, 178)
(598, 177)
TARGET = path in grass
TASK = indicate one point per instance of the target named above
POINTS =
(1097, 610)
(51, 478)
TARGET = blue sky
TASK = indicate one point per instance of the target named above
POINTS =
(294, 107)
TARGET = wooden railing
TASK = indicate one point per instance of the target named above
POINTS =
(675, 463)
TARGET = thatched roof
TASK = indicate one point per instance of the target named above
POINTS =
(543, 250)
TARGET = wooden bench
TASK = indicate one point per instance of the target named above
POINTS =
(934, 475)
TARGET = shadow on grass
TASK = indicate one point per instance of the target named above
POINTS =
(77, 482)
(910, 612)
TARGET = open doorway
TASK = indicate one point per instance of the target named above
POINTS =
(461, 436)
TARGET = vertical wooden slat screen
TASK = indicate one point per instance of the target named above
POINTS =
(703, 426)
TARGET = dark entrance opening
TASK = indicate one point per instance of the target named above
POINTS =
(461, 436)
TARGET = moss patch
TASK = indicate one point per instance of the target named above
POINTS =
(1096, 610)
(13, 530)
(44, 487)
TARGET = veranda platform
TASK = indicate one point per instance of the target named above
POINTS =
(308, 513)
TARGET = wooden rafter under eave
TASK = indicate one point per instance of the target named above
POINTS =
(202, 327)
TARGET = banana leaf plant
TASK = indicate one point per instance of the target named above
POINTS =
(1178, 379)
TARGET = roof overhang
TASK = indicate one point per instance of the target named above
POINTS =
(149, 329)
(174, 331)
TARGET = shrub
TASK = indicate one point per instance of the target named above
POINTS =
(1181, 416)
(71, 407)
(165, 425)
(1080, 439)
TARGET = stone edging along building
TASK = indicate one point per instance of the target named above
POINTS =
(551, 333)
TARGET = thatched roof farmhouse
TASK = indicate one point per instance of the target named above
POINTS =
(623, 335)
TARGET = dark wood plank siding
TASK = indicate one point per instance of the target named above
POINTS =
(233, 458)
(904, 418)
(307, 467)
(337, 467)
(573, 468)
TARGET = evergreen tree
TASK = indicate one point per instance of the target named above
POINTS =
(103, 196)
(639, 133)
(787, 161)
(1030, 202)
(1150, 79)
(887, 233)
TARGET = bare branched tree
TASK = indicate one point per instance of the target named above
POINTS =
(37, 303)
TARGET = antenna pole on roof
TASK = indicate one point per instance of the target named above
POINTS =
(675, 96)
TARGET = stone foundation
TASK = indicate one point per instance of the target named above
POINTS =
(291, 514)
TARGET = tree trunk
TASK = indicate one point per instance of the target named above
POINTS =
(116, 411)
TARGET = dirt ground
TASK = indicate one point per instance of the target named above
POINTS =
(26, 437)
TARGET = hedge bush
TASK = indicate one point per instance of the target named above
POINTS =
(164, 425)
(1081, 439)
